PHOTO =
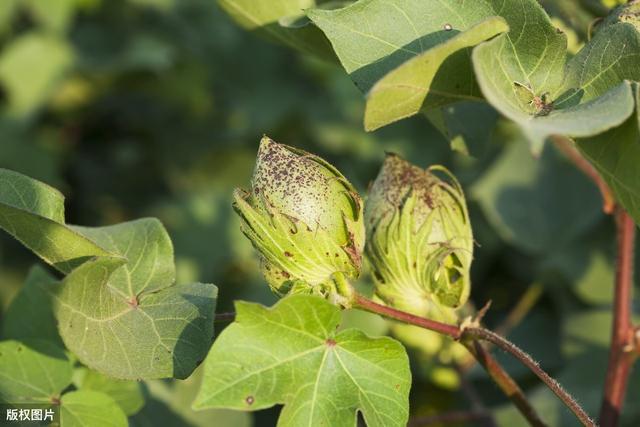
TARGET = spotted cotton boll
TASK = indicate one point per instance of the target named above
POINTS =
(304, 218)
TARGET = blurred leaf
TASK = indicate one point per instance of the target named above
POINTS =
(587, 263)
(53, 14)
(169, 405)
(281, 20)
(127, 394)
(41, 148)
(586, 330)
(526, 80)
(321, 377)
(7, 9)
(38, 58)
(32, 371)
(467, 125)
(536, 204)
(90, 408)
(616, 155)
(30, 314)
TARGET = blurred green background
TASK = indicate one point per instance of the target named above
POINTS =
(140, 108)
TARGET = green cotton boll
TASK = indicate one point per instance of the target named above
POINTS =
(305, 219)
(419, 239)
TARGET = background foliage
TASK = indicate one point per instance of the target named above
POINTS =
(140, 108)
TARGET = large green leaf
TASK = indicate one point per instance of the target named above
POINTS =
(291, 354)
(281, 20)
(84, 408)
(402, 92)
(525, 76)
(616, 155)
(32, 371)
(409, 53)
(158, 334)
(118, 308)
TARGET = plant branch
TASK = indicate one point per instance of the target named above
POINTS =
(366, 304)
(477, 333)
(514, 317)
(449, 418)
(525, 359)
(622, 336)
(568, 148)
(507, 384)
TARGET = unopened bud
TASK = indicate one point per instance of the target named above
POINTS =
(305, 219)
(419, 239)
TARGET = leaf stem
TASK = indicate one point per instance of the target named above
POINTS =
(474, 334)
(622, 336)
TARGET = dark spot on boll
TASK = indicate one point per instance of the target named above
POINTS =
(249, 400)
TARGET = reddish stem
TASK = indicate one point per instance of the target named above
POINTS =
(443, 328)
(622, 335)
(472, 334)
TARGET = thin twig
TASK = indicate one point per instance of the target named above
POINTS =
(449, 418)
(622, 336)
(567, 147)
(366, 304)
(507, 384)
(475, 333)
(525, 359)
